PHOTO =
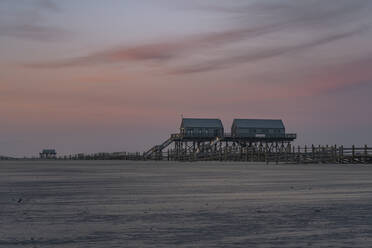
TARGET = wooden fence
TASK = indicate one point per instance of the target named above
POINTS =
(307, 154)
(288, 154)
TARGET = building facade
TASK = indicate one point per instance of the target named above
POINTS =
(203, 128)
(265, 128)
(48, 154)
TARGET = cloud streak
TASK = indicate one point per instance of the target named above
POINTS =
(29, 22)
(35, 32)
(161, 51)
(284, 16)
(49, 5)
(298, 12)
(267, 53)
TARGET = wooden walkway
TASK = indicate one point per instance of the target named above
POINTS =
(300, 155)
(274, 153)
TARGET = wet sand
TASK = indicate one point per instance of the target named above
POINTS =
(168, 204)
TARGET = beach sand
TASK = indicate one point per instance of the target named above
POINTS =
(181, 204)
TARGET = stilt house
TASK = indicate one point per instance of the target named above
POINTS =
(257, 128)
(203, 128)
(48, 154)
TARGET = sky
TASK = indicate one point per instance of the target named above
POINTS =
(103, 76)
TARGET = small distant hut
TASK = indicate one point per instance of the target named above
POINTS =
(48, 154)
(201, 128)
(265, 128)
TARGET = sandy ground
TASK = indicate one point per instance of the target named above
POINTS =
(167, 204)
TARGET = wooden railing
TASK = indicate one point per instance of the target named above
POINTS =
(305, 154)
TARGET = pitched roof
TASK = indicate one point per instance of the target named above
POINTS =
(199, 122)
(258, 123)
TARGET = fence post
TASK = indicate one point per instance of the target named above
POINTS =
(312, 153)
(365, 154)
(319, 154)
(323, 154)
(241, 153)
(335, 159)
(253, 149)
(278, 153)
(286, 153)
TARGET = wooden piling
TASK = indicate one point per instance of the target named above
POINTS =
(253, 152)
(312, 153)
(365, 154)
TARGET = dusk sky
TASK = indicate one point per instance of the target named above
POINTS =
(103, 76)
